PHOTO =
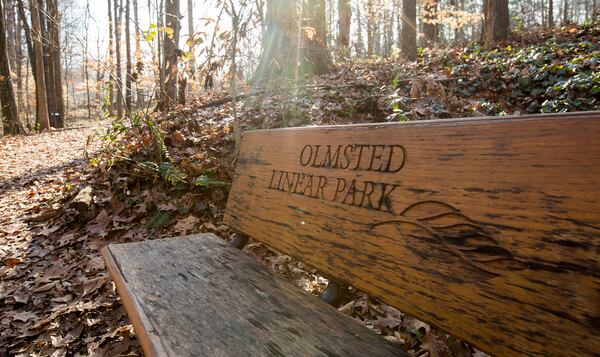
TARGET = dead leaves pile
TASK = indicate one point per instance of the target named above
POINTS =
(56, 295)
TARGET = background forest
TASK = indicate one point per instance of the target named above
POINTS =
(107, 58)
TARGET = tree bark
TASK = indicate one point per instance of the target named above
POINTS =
(139, 65)
(171, 52)
(497, 22)
(290, 49)
(430, 28)
(344, 21)
(550, 13)
(85, 60)
(409, 29)
(191, 38)
(129, 68)
(119, 78)
(11, 123)
(317, 19)
(40, 82)
(111, 62)
(56, 83)
(565, 19)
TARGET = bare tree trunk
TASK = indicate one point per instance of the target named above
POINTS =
(19, 69)
(139, 65)
(550, 13)
(85, 59)
(119, 78)
(40, 83)
(370, 27)
(129, 74)
(56, 82)
(111, 63)
(30, 56)
(159, 54)
(360, 44)
(46, 43)
(497, 22)
(430, 28)
(11, 123)
(409, 29)
(191, 38)
(171, 52)
(565, 19)
(317, 19)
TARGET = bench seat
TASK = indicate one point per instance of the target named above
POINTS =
(197, 295)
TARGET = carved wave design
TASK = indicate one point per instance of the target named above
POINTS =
(461, 248)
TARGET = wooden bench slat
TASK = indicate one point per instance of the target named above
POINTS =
(486, 228)
(196, 295)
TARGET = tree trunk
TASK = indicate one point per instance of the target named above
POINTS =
(119, 78)
(139, 65)
(317, 19)
(344, 21)
(40, 82)
(550, 13)
(369, 7)
(11, 123)
(46, 43)
(111, 63)
(497, 22)
(360, 44)
(288, 52)
(565, 12)
(129, 68)
(409, 29)
(171, 52)
(85, 60)
(55, 79)
(430, 28)
(191, 38)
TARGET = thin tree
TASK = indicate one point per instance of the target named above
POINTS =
(430, 28)
(550, 13)
(191, 38)
(111, 64)
(409, 29)
(40, 82)
(565, 19)
(129, 69)
(139, 65)
(11, 122)
(85, 58)
(171, 52)
(119, 78)
(344, 21)
(54, 82)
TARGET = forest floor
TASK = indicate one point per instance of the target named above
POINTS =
(168, 174)
(55, 291)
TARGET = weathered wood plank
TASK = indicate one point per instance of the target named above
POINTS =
(198, 296)
(486, 228)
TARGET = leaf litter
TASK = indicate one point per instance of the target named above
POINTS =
(168, 174)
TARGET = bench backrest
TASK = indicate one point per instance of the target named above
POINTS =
(486, 228)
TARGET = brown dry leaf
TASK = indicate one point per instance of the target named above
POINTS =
(12, 261)
(91, 285)
(25, 316)
(187, 225)
(100, 224)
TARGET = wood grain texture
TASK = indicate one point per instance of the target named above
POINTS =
(486, 228)
(198, 296)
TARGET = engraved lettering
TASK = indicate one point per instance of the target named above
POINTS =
(304, 162)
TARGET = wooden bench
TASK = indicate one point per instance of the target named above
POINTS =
(488, 229)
